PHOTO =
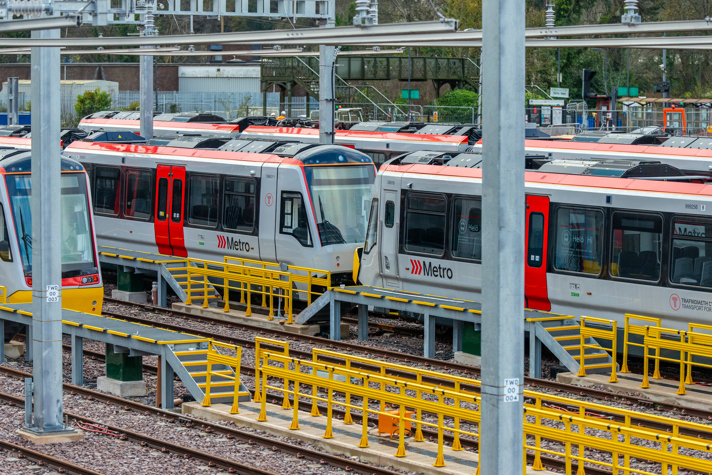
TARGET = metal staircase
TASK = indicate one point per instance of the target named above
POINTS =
(176, 276)
(562, 336)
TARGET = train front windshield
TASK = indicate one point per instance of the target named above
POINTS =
(76, 246)
(341, 197)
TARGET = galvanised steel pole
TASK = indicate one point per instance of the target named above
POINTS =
(46, 240)
(327, 93)
(146, 78)
(503, 205)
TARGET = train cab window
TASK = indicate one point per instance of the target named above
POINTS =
(138, 198)
(5, 253)
(177, 201)
(203, 200)
(579, 240)
(636, 246)
(162, 197)
(390, 214)
(293, 218)
(239, 205)
(467, 228)
(425, 223)
(535, 240)
(691, 262)
(372, 230)
(107, 190)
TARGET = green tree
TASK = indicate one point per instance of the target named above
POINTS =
(92, 101)
(458, 98)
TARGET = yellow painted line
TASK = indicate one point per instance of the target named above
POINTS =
(67, 322)
(176, 342)
(140, 338)
(130, 258)
(109, 254)
(113, 332)
(449, 307)
(353, 292)
(427, 304)
(478, 312)
(396, 299)
(375, 296)
(23, 312)
(8, 309)
(145, 260)
(91, 327)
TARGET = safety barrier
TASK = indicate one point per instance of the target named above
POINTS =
(3, 294)
(630, 329)
(215, 358)
(574, 431)
(687, 344)
(600, 333)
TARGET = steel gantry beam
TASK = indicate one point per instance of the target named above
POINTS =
(31, 24)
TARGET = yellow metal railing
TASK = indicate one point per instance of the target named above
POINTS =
(215, 358)
(310, 277)
(599, 333)
(687, 344)
(631, 329)
(3, 294)
(575, 431)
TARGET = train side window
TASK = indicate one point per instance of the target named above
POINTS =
(535, 241)
(139, 194)
(390, 214)
(162, 197)
(425, 223)
(372, 230)
(579, 240)
(107, 190)
(467, 228)
(293, 218)
(239, 205)
(636, 246)
(177, 201)
(5, 253)
(203, 200)
(691, 261)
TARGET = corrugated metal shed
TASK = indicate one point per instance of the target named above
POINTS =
(220, 79)
(69, 90)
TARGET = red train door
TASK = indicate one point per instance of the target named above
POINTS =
(168, 224)
(535, 288)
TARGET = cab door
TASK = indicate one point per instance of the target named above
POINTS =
(389, 230)
(168, 223)
(537, 224)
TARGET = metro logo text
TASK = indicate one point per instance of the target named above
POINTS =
(427, 269)
(226, 242)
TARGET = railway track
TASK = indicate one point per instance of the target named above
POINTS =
(427, 362)
(41, 459)
(189, 421)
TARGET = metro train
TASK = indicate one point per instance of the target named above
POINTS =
(82, 288)
(594, 245)
(300, 204)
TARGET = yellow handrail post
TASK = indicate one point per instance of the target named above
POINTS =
(226, 294)
(347, 410)
(285, 401)
(309, 287)
(624, 366)
(440, 460)
(418, 415)
(688, 378)
(567, 445)
(242, 289)
(614, 354)
(582, 361)
(656, 373)
(315, 408)
(270, 315)
(295, 414)
(401, 427)
(581, 448)
(681, 390)
(205, 287)
(288, 303)
(248, 310)
(363, 443)
(329, 434)
(537, 465)
(264, 274)
(646, 349)
(208, 368)
(263, 409)
(235, 409)
(188, 293)
(258, 364)
(456, 445)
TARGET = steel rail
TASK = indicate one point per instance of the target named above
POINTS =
(230, 432)
(41, 459)
(428, 362)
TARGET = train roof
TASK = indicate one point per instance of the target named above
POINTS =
(557, 179)
(20, 161)
(188, 141)
(614, 168)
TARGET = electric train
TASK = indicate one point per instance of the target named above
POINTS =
(593, 244)
(300, 204)
(82, 288)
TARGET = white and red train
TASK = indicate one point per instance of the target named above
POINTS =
(594, 245)
(303, 205)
